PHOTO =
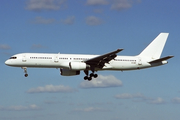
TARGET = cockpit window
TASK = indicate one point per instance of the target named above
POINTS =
(13, 58)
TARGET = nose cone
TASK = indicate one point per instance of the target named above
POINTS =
(7, 62)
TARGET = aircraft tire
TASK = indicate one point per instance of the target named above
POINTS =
(86, 77)
(26, 75)
(91, 75)
(95, 75)
(89, 78)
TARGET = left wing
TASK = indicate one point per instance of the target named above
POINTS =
(100, 61)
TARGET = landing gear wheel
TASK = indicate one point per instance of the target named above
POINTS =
(91, 75)
(26, 75)
(95, 75)
(89, 78)
(86, 77)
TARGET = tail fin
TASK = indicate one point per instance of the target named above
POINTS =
(155, 48)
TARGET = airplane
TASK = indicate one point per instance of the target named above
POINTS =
(72, 64)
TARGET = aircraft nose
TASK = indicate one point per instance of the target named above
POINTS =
(7, 62)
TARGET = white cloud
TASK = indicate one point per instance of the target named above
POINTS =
(41, 20)
(96, 2)
(158, 100)
(4, 47)
(69, 20)
(138, 97)
(89, 109)
(52, 89)
(101, 82)
(121, 4)
(176, 100)
(20, 108)
(39, 5)
(129, 96)
(92, 20)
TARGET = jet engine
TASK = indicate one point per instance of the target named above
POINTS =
(66, 72)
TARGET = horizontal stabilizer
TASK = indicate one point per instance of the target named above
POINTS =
(161, 59)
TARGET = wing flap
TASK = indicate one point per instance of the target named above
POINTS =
(161, 59)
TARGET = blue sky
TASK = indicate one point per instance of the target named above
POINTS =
(88, 27)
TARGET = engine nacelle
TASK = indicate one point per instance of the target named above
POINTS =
(78, 66)
(66, 72)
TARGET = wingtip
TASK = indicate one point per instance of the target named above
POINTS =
(119, 50)
(171, 56)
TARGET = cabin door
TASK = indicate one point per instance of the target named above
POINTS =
(24, 58)
(139, 61)
(56, 59)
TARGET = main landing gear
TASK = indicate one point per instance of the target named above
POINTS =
(90, 76)
(25, 71)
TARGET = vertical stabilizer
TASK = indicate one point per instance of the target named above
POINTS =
(155, 48)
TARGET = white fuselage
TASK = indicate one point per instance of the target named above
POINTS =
(72, 64)
(43, 60)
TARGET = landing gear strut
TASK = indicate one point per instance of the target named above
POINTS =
(90, 76)
(25, 71)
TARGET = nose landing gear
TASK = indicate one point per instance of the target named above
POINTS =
(25, 71)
